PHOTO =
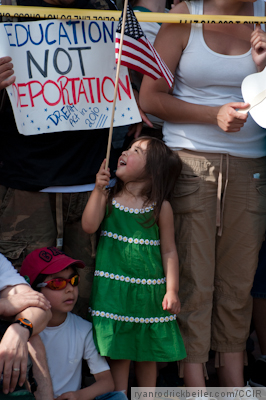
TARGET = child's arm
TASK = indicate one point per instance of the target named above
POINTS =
(94, 211)
(104, 384)
(169, 258)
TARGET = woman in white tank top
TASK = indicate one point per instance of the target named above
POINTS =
(219, 202)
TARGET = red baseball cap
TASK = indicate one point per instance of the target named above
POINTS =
(47, 260)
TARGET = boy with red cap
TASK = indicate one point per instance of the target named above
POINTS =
(68, 338)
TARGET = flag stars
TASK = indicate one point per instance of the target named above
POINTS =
(135, 39)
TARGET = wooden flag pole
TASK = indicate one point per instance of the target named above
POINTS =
(116, 85)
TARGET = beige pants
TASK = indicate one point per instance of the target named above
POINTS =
(226, 195)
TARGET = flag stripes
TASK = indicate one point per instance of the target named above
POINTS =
(132, 57)
(137, 52)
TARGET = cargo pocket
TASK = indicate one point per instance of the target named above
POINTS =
(185, 197)
(6, 195)
(257, 197)
(15, 252)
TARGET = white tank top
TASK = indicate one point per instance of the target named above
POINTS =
(196, 82)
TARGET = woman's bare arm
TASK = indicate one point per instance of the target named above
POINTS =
(156, 99)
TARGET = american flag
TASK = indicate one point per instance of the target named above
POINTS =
(137, 52)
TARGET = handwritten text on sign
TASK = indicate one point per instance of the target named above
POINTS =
(65, 76)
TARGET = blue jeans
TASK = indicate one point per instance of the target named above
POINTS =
(112, 396)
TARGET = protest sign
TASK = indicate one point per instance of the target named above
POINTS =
(65, 76)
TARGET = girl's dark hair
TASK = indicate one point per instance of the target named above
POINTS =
(162, 169)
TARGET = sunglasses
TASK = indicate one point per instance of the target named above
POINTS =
(60, 283)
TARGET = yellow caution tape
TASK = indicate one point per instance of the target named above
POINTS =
(106, 15)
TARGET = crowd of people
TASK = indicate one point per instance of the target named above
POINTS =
(177, 236)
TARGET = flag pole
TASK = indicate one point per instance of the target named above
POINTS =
(116, 85)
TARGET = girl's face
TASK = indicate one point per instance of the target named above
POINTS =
(131, 164)
(65, 299)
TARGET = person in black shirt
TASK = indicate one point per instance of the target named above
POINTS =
(55, 162)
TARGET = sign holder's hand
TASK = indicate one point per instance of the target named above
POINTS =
(6, 72)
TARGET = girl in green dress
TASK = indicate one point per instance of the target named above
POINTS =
(136, 281)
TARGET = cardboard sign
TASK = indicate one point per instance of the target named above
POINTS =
(65, 76)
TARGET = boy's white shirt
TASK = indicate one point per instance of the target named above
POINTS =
(66, 345)
(8, 274)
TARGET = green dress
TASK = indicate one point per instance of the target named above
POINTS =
(128, 289)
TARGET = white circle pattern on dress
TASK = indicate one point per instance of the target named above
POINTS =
(122, 278)
(137, 320)
(131, 210)
(130, 240)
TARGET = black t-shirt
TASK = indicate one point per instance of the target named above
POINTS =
(88, 4)
(50, 159)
